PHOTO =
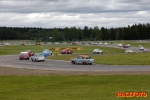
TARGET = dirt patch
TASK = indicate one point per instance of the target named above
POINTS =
(5, 71)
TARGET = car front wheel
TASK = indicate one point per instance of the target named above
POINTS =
(73, 62)
(84, 63)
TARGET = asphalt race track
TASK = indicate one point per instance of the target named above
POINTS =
(14, 62)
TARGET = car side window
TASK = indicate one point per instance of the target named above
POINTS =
(79, 57)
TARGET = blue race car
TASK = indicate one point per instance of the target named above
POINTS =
(83, 59)
(47, 52)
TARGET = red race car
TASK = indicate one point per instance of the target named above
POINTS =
(24, 55)
(66, 51)
(30, 53)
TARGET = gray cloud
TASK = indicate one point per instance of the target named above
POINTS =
(68, 13)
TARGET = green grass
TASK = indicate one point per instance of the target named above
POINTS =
(72, 87)
(6, 50)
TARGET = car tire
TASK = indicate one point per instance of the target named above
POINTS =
(31, 59)
(73, 62)
(84, 63)
(43, 60)
(90, 63)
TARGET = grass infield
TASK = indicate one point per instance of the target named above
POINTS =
(72, 87)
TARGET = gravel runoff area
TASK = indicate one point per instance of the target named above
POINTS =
(6, 71)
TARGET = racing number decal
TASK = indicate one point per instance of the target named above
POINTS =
(78, 61)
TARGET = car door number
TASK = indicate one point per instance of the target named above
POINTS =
(78, 61)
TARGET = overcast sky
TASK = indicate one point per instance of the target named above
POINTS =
(69, 13)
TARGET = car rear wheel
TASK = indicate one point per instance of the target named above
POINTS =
(84, 63)
(73, 62)
(43, 60)
(90, 63)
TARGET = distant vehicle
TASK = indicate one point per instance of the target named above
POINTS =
(97, 51)
(23, 55)
(100, 43)
(125, 46)
(74, 43)
(30, 53)
(57, 43)
(92, 43)
(119, 45)
(95, 43)
(82, 59)
(89, 43)
(66, 51)
(128, 45)
(6, 44)
(47, 52)
(22, 44)
(105, 43)
(37, 43)
(129, 51)
(145, 50)
(82, 42)
(38, 57)
(141, 48)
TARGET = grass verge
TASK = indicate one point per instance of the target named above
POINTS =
(72, 87)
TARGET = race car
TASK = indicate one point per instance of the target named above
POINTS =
(24, 55)
(66, 51)
(47, 52)
(38, 57)
(82, 59)
(30, 53)
(130, 51)
(97, 51)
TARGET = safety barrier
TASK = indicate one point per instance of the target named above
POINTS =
(33, 43)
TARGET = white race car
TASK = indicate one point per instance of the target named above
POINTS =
(38, 57)
(129, 51)
(97, 51)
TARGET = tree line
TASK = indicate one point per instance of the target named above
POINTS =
(133, 32)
